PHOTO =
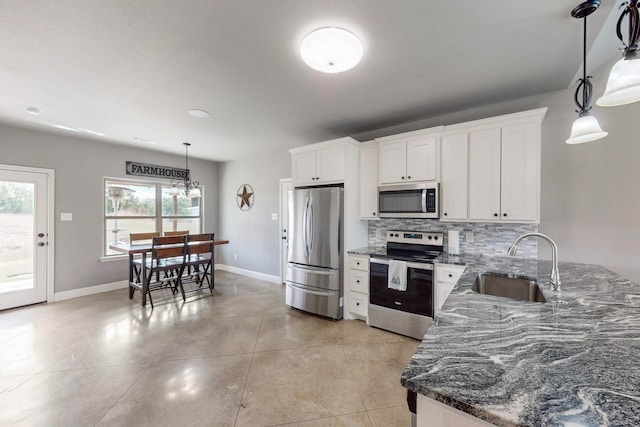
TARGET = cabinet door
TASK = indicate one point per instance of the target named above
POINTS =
(303, 168)
(484, 174)
(368, 188)
(392, 161)
(331, 164)
(520, 172)
(422, 159)
(454, 173)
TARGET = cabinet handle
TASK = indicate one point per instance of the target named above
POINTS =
(495, 214)
(374, 214)
(402, 177)
(317, 177)
(504, 214)
(409, 177)
(357, 303)
(445, 214)
(450, 275)
(357, 281)
(357, 262)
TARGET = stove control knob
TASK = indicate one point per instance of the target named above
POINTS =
(429, 237)
(435, 237)
(397, 235)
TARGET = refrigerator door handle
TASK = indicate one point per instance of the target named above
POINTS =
(312, 228)
(309, 291)
(326, 272)
(305, 228)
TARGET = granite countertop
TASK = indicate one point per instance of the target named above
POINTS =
(574, 360)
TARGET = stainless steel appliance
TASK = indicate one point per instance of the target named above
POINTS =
(407, 312)
(314, 258)
(419, 200)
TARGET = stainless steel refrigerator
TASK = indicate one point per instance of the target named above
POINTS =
(314, 257)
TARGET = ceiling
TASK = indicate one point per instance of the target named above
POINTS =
(130, 69)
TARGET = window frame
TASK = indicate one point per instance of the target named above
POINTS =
(158, 217)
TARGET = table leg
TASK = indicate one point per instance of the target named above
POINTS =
(131, 288)
(145, 281)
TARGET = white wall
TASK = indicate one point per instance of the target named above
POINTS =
(254, 236)
(590, 203)
(80, 165)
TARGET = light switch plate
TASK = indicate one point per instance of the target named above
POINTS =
(66, 216)
(274, 216)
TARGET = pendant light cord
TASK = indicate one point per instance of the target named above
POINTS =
(584, 83)
(631, 9)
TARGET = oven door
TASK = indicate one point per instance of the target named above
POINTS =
(417, 299)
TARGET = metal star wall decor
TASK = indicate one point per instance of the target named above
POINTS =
(245, 197)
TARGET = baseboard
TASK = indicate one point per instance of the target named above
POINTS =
(89, 290)
(248, 273)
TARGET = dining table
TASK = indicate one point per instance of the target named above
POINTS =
(142, 249)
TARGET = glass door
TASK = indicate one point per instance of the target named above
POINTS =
(24, 237)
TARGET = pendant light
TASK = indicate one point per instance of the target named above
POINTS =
(190, 187)
(586, 127)
(623, 86)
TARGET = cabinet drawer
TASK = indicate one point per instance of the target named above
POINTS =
(448, 274)
(359, 281)
(359, 304)
(359, 263)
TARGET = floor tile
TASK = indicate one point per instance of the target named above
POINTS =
(294, 330)
(377, 367)
(73, 398)
(195, 392)
(298, 385)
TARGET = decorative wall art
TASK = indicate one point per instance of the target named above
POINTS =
(245, 197)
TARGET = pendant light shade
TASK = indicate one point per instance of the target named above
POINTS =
(585, 128)
(623, 86)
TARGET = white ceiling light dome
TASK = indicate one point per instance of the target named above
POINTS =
(585, 128)
(623, 86)
(331, 50)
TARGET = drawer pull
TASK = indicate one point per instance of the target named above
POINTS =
(450, 275)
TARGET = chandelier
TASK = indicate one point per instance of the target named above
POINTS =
(190, 187)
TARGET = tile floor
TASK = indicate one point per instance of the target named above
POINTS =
(239, 357)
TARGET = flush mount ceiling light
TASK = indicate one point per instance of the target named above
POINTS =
(331, 50)
(586, 127)
(199, 113)
(623, 86)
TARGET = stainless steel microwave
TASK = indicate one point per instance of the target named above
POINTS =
(419, 200)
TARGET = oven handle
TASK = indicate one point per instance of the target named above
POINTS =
(416, 265)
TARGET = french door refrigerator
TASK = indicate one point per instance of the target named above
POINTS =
(314, 258)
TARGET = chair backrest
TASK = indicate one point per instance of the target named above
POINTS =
(200, 243)
(137, 237)
(168, 247)
(176, 233)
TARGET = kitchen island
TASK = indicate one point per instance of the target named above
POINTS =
(573, 360)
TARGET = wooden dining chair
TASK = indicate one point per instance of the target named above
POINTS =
(167, 263)
(176, 233)
(199, 260)
(138, 238)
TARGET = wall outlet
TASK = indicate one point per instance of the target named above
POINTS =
(235, 257)
(66, 216)
(468, 236)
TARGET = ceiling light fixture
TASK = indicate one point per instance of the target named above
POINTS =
(331, 50)
(623, 86)
(190, 187)
(201, 114)
(586, 127)
(33, 110)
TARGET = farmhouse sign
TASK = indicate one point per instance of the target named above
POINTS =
(144, 169)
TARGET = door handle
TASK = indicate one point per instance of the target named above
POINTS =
(40, 234)
(40, 243)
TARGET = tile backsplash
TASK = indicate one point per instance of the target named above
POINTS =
(488, 238)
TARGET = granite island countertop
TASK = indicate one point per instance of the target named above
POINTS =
(574, 360)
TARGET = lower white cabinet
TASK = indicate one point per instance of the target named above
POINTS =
(446, 277)
(357, 290)
(431, 413)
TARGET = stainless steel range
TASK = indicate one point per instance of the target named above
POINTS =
(408, 312)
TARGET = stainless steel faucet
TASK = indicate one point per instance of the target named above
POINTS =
(555, 274)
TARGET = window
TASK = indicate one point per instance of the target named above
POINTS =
(140, 207)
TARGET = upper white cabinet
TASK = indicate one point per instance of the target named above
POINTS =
(490, 169)
(317, 164)
(368, 195)
(454, 176)
(409, 157)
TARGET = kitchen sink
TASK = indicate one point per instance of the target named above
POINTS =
(508, 286)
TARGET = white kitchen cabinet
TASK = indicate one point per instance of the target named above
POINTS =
(484, 174)
(409, 157)
(319, 164)
(445, 278)
(357, 289)
(368, 196)
(431, 413)
(454, 176)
